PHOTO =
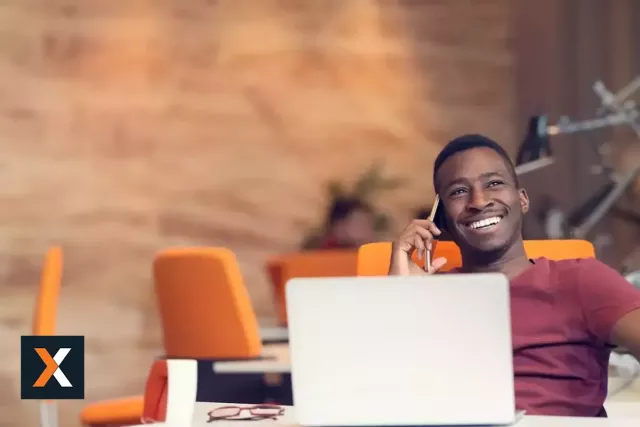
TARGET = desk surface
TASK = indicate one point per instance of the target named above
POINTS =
(201, 409)
(278, 362)
(274, 333)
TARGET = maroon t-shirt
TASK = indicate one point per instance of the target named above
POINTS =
(562, 313)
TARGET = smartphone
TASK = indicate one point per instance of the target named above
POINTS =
(440, 220)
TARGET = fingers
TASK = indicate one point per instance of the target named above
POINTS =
(419, 244)
(425, 236)
(427, 225)
(417, 235)
(437, 264)
(426, 230)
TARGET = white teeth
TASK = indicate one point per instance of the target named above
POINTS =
(485, 222)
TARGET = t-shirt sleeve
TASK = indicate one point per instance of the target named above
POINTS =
(605, 296)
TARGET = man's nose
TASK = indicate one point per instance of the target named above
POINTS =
(478, 201)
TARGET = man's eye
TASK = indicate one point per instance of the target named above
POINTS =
(494, 183)
(457, 192)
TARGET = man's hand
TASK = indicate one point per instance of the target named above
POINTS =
(417, 236)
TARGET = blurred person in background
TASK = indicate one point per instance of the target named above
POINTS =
(422, 213)
(349, 224)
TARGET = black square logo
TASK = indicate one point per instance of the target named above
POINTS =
(52, 367)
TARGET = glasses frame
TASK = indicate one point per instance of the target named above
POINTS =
(251, 409)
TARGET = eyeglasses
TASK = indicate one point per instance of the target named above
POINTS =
(257, 412)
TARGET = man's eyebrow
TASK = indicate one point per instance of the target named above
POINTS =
(464, 180)
(490, 174)
(455, 181)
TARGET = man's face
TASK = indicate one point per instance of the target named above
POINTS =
(483, 205)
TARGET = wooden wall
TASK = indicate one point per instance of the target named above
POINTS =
(131, 125)
(563, 47)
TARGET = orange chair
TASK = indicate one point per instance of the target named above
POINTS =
(45, 315)
(559, 249)
(325, 263)
(373, 258)
(205, 309)
(44, 324)
(133, 410)
(205, 312)
(155, 395)
(46, 308)
(115, 412)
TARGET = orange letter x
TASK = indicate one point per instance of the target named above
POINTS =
(46, 375)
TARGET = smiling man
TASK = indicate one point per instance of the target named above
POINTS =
(566, 315)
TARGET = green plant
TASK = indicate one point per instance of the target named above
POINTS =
(367, 187)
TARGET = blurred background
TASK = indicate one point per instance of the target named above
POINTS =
(131, 126)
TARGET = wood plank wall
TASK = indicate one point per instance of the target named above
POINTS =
(563, 47)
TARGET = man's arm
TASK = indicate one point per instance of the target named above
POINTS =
(611, 305)
(626, 332)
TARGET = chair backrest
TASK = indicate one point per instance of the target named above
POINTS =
(45, 315)
(323, 263)
(155, 393)
(373, 258)
(205, 309)
(559, 249)
(46, 308)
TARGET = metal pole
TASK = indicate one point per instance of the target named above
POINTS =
(599, 212)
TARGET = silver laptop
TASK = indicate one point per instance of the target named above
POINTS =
(402, 351)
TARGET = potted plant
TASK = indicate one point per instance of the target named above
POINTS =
(367, 188)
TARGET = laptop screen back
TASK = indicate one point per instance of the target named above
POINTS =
(401, 350)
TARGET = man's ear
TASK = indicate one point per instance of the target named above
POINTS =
(524, 200)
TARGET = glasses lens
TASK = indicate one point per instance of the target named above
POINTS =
(225, 412)
(265, 411)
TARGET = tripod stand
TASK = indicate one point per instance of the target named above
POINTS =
(615, 110)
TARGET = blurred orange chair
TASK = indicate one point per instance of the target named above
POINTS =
(324, 263)
(155, 394)
(205, 309)
(133, 410)
(45, 316)
(46, 308)
(374, 258)
(205, 313)
(114, 412)
(559, 249)
(44, 324)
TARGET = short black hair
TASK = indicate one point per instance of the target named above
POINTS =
(467, 142)
(344, 206)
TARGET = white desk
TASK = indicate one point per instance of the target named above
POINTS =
(276, 361)
(182, 411)
(201, 409)
(274, 333)
(617, 409)
(624, 409)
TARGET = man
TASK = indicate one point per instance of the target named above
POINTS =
(350, 223)
(566, 315)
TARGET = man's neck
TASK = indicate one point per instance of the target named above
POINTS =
(510, 263)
